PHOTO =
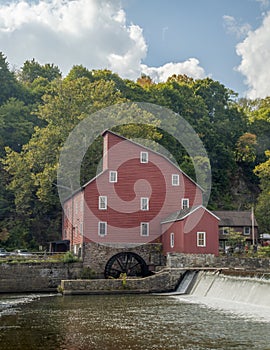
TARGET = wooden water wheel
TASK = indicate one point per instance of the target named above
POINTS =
(126, 262)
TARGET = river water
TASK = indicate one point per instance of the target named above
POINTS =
(130, 322)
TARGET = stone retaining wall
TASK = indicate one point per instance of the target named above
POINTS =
(166, 281)
(177, 260)
(36, 277)
(46, 277)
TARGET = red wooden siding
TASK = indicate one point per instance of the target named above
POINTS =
(123, 214)
(185, 233)
(177, 229)
(73, 224)
(152, 180)
(108, 143)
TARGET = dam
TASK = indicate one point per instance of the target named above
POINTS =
(246, 296)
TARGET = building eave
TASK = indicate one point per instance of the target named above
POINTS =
(192, 210)
(155, 152)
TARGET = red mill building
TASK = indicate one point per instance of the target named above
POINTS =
(140, 199)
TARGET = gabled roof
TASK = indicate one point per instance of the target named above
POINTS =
(83, 186)
(94, 178)
(230, 218)
(183, 213)
(137, 144)
(72, 194)
(151, 150)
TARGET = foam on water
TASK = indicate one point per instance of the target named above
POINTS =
(245, 297)
(10, 304)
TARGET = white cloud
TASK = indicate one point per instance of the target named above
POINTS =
(190, 67)
(93, 33)
(128, 65)
(64, 32)
(255, 63)
(234, 27)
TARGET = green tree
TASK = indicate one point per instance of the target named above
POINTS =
(246, 148)
(8, 83)
(35, 131)
(236, 239)
(17, 124)
(258, 119)
(32, 70)
(79, 71)
(32, 171)
(262, 209)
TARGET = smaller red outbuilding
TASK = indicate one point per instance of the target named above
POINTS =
(192, 230)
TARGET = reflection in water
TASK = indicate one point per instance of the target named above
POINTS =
(127, 322)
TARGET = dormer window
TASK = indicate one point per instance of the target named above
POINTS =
(144, 157)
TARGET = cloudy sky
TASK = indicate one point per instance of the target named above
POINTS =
(228, 40)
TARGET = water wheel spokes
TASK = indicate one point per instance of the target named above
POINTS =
(126, 262)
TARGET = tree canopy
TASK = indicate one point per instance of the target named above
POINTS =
(39, 108)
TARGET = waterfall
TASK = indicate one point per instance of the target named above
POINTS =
(186, 282)
(243, 296)
(252, 291)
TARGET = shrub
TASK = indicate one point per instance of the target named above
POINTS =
(264, 251)
(69, 257)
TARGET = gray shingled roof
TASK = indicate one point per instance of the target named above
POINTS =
(178, 215)
(235, 218)
(181, 214)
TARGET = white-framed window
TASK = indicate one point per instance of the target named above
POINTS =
(102, 203)
(102, 228)
(175, 179)
(185, 203)
(201, 239)
(113, 176)
(144, 229)
(144, 203)
(246, 230)
(225, 230)
(172, 239)
(144, 157)
(76, 207)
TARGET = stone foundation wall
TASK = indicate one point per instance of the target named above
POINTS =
(46, 277)
(36, 277)
(96, 255)
(177, 260)
(166, 281)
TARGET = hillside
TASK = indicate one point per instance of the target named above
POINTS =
(39, 108)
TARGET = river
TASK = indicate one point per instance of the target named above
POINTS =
(128, 322)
